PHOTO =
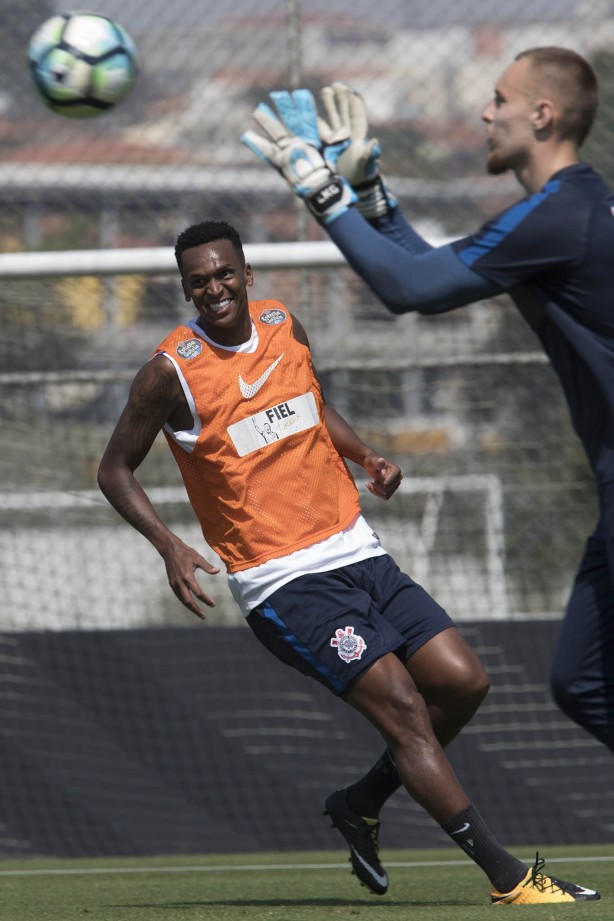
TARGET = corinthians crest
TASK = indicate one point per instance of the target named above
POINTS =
(349, 645)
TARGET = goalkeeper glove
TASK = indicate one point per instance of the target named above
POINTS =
(350, 152)
(294, 149)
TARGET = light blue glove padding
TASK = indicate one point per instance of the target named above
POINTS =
(298, 112)
(300, 115)
(294, 149)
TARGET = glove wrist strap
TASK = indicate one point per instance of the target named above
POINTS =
(374, 198)
(331, 200)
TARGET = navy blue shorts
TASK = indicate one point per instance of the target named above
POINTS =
(332, 625)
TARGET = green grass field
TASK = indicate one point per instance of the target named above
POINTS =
(429, 885)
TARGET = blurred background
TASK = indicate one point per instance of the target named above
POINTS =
(497, 498)
(129, 727)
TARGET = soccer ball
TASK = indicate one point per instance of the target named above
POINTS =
(82, 64)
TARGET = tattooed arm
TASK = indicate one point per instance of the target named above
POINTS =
(155, 398)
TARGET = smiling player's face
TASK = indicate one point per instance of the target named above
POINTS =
(215, 278)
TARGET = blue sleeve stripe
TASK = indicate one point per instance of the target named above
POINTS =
(301, 650)
(506, 224)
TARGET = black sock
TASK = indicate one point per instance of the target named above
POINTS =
(470, 832)
(368, 795)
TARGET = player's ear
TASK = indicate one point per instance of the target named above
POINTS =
(543, 115)
(249, 275)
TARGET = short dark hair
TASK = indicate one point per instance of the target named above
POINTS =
(207, 232)
(572, 80)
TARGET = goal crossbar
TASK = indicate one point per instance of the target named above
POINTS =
(160, 260)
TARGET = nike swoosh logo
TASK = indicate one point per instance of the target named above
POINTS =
(250, 390)
(379, 878)
(460, 830)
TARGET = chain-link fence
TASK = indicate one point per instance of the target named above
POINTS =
(171, 152)
(462, 396)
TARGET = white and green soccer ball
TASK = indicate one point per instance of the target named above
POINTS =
(82, 64)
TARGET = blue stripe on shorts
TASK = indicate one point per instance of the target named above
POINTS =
(301, 650)
(333, 625)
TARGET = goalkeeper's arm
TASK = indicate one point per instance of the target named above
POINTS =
(397, 263)
(407, 278)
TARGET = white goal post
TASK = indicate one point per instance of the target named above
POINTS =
(160, 260)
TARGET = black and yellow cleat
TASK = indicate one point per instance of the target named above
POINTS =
(537, 888)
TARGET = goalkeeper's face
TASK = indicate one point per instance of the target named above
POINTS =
(509, 121)
(215, 278)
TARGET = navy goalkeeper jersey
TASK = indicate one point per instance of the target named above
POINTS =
(554, 253)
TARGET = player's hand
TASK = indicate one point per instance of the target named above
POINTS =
(357, 160)
(181, 564)
(294, 148)
(350, 151)
(386, 476)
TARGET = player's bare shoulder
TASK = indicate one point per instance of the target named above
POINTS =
(156, 386)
